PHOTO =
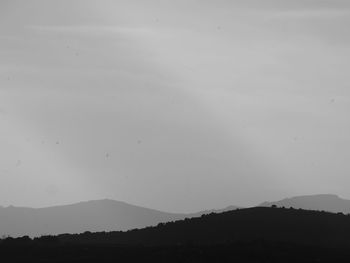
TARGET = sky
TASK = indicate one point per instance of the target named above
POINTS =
(174, 105)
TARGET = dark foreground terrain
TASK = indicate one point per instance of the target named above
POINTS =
(258, 251)
(244, 235)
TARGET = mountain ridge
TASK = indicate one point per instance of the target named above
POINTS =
(112, 215)
(93, 215)
(258, 234)
(320, 202)
(298, 226)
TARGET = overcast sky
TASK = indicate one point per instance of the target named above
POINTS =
(174, 105)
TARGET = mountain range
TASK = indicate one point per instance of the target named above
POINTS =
(94, 216)
(321, 202)
(110, 215)
(257, 234)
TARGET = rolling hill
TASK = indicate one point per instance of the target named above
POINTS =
(295, 226)
(259, 234)
(94, 216)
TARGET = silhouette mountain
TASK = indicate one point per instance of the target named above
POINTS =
(94, 216)
(295, 226)
(322, 202)
(259, 234)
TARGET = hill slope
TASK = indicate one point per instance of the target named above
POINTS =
(94, 216)
(244, 225)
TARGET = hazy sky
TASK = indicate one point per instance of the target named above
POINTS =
(177, 105)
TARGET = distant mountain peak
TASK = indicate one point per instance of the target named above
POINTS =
(94, 215)
(326, 202)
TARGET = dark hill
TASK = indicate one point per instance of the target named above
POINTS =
(243, 225)
(258, 234)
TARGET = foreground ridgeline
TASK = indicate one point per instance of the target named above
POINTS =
(248, 235)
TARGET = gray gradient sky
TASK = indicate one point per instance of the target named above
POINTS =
(174, 105)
